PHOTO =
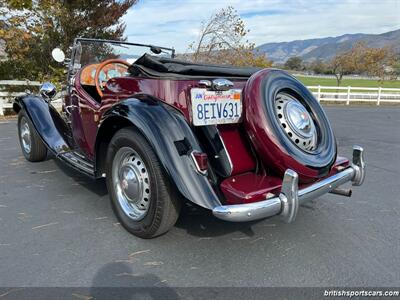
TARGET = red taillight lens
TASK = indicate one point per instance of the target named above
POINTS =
(201, 161)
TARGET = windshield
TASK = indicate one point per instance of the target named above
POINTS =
(91, 51)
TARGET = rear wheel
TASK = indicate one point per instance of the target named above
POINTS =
(141, 196)
(31, 145)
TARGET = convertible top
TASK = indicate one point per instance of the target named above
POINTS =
(161, 67)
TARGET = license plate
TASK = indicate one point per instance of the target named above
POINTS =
(216, 107)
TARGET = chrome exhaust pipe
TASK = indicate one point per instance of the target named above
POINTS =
(342, 192)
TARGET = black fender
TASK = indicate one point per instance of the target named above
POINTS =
(171, 138)
(46, 120)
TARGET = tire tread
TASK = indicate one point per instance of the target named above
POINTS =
(167, 205)
(38, 149)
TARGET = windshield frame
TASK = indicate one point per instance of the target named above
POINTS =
(71, 67)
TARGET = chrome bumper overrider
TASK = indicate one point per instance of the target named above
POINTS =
(287, 203)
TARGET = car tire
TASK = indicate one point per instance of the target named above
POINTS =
(273, 135)
(141, 195)
(31, 144)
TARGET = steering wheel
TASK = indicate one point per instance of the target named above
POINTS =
(105, 63)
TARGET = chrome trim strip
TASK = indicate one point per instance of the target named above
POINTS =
(78, 161)
(325, 186)
(250, 211)
(226, 150)
(287, 202)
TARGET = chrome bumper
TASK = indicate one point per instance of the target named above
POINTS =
(287, 203)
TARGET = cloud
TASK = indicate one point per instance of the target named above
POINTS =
(176, 23)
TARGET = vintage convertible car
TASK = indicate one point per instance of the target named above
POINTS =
(245, 143)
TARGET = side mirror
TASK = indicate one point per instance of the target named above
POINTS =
(48, 90)
(58, 55)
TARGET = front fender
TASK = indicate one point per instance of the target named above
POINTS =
(46, 121)
(163, 126)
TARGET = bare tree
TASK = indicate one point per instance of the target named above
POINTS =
(222, 40)
(340, 67)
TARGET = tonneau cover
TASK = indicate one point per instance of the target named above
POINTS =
(161, 67)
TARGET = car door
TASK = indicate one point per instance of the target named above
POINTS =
(84, 119)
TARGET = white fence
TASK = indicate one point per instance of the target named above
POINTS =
(6, 97)
(355, 94)
(322, 93)
(355, 76)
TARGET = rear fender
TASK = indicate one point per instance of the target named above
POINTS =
(165, 129)
(46, 120)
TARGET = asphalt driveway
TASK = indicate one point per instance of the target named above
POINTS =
(57, 227)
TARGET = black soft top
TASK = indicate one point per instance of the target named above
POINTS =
(161, 67)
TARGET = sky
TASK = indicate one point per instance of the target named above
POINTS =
(176, 23)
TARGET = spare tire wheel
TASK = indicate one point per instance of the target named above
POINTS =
(287, 125)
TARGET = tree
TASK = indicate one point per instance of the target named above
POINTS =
(362, 60)
(32, 28)
(379, 62)
(222, 40)
(340, 65)
(318, 67)
(294, 63)
(396, 66)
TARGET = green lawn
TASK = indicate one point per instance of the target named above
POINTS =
(308, 81)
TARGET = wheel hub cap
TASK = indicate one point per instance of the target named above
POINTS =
(131, 183)
(296, 122)
(299, 119)
(25, 134)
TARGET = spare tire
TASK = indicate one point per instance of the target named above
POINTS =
(287, 125)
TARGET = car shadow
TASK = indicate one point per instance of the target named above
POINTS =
(97, 186)
(116, 280)
(195, 220)
(200, 222)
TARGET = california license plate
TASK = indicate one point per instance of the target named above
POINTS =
(216, 107)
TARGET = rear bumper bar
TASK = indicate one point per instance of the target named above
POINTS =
(286, 204)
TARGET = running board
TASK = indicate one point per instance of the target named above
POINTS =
(78, 161)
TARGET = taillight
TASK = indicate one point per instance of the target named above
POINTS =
(200, 160)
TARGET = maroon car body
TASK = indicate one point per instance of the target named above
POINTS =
(244, 170)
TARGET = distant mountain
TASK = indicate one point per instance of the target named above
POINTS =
(326, 48)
